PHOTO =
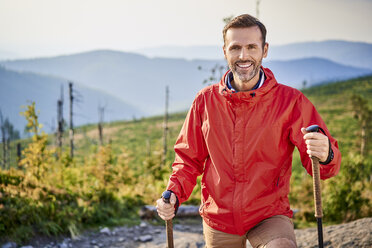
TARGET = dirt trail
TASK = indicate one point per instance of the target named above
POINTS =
(354, 234)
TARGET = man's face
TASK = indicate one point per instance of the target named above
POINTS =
(244, 52)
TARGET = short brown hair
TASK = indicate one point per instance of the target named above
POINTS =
(245, 21)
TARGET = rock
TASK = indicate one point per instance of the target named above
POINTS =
(9, 245)
(105, 231)
(27, 246)
(156, 231)
(121, 239)
(143, 224)
(93, 242)
(63, 245)
(145, 238)
(200, 244)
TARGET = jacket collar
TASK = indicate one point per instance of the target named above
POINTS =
(269, 83)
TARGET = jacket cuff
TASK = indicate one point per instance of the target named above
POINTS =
(330, 155)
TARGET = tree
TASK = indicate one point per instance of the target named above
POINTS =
(101, 112)
(364, 116)
(37, 158)
(304, 84)
(258, 8)
(3, 139)
(8, 134)
(216, 73)
(227, 19)
(60, 123)
(71, 133)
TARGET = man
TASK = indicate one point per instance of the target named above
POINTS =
(240, 135)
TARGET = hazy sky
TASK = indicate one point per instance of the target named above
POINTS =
(51, 27)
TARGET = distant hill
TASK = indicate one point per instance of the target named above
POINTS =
(357, 54)
(134, 78)
(17, 89)
(313, 70)
(141, 81)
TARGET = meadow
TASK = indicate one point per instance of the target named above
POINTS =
(47, 192)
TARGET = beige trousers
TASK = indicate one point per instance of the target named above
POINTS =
(275, 227)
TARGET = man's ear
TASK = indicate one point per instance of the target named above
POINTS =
(265, 50)
(224, 50)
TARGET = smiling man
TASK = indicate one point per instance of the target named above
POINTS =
(240, 135)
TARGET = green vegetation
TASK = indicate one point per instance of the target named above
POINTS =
(105, 185)
(348, 195)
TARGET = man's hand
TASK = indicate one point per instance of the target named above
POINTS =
(317, 145)
(166, 210)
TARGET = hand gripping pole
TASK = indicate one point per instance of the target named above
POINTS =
(169, 224)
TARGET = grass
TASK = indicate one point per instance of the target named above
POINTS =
(102, 183)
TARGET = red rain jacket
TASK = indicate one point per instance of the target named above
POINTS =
(243, 143)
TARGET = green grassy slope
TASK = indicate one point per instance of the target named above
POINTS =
(128, 172)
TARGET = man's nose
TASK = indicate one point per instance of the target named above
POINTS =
(243, 54)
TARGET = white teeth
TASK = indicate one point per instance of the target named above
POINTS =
(244, 65)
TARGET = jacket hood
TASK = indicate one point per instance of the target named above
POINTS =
(269, 83)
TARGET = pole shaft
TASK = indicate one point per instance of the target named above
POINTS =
(169, 225)
(316, 188)
(320, 232)
(317, 198)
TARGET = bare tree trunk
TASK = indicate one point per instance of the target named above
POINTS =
(7, 150)
(3, 140)
(165, 125)
(60, 123)
(258, 8)
(19, 154)
(71, 132)
(101, 111)
(100, 134)
(363, 140)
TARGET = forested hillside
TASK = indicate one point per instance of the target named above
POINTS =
(49, 192)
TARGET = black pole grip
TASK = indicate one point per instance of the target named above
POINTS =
(312, 129)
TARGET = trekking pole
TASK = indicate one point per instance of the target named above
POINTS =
(317, 190)
(169, 225)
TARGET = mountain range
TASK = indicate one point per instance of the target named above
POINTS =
(131, 84)
(20, 88)
(357, 54)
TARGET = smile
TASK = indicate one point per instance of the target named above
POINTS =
(244, 65)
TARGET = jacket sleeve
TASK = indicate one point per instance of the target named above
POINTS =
(304, 114)
(190, 154)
